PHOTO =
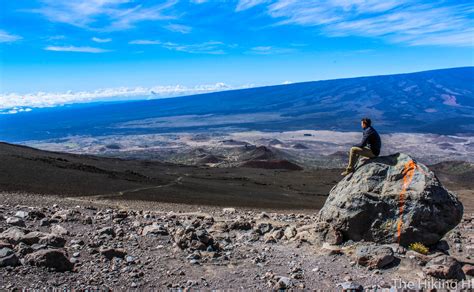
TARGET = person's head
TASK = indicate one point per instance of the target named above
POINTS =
(365, 123)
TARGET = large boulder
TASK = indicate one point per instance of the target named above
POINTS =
(392, 199)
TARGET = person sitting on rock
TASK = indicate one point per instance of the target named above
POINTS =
(368, 147)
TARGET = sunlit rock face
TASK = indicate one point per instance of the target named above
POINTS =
(392, 199)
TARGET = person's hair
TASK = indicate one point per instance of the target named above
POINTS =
(367, 121)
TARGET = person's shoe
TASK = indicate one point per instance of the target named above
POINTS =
(347, 171)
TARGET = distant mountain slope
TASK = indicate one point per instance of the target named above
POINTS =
(29, 170)
(438, 101)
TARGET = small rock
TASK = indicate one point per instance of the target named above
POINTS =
(23, 249)
(50, 258)
(15, 221)
(228, 210)
(373, 256)
(44, 222)
(22, 214)
(278, 234)
(59, 230)
(52, 240)
(290, 232)
(130, 259)
(264, 215)
(283, 283)
(13, 235)
(35, 214)
(154, 229)
(240, 225)
(5, 244)
(87, 220)
(66, 215)
(121, 214)
(351, 286)
(444, 267)
(333, 236)
(468, 270)
(263, 228)
(268, 238)
(8, 258)
(107, 231)
(111, 253)
(297, 273)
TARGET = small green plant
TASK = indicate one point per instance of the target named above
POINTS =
(419, 247)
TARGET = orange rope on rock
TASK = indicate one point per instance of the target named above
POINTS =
(408, 172)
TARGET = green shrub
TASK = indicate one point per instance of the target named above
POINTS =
(419, 247)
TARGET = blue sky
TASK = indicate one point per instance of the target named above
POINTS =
(61, 51)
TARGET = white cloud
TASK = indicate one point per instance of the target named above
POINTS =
(6, 37)
(99, 40)
(105, 15)
(209, 47)
(405, 21)
(14, 102)
(76, 49)
(264, 50)
(269, 50)
(144, 42)
(247, 4)
(184, 29)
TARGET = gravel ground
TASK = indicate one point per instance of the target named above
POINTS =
(79, 243)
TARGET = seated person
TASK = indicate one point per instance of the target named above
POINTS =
(368, 147)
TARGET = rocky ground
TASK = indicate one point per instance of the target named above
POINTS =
(51, 242)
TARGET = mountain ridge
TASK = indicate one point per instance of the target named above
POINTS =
(408, 102)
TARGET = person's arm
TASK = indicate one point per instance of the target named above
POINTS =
(364, 141)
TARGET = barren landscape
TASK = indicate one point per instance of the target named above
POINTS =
(308, 148)
(118, 223)
(243, 189)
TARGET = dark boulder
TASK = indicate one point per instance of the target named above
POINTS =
(392, 199)
(54, 259)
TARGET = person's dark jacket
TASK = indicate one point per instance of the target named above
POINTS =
(371, 140)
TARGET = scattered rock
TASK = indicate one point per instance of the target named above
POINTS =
(22, 214)
(290, 232)
(36, 214)
(263, 228)
(66, 215)
(468, 270)
(444, 267)
(108, 231)
(44, 222)
(15, 221)
(13, 235)
(5, 244)
(59, 230)
(154, 229)
(111, 253)
(8, 258)
(283, 283)
(374, 257)
(54, 259)
(240, 225)
(332, 236)
(228, 210)
(351, 286)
